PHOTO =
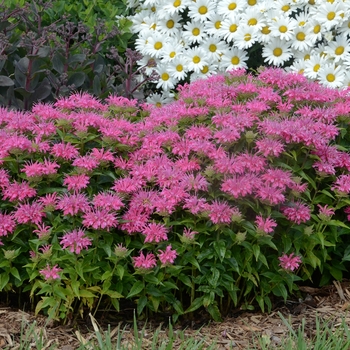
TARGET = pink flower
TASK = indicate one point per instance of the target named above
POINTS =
(289, 263)
(75, 241)
(86, 162)
(4, 178)
(325, 213)
(73, 203)
(342, 184)
(265, 225)
(196, 205)
(269, 194)
(18, 191)
(29, 213)
(145, 262)
(76, 182)
(64, 150)
(7, 224)
(168, 256)
(49, 201)
(101, 155)
(99, 219)
(51, 273)
(134, 220)
(297, 213)
(33, 169)
(109, 201)
(43, 231)
(155, 233)
(221, 212)
(269, 147)
(189, 234)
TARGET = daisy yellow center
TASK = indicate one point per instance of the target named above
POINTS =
(306, 57)
(266, 30)
(196, 59)
(172, 54)
(339, 50)
(302, 23)
(205, 70)
(232, 6)
(158, 104)
(311, 2)
(252, 22)
(217, 25)
(317, 28)
(195, 31)
(330, 77)
(203, 10)
(165, 76)
(153, 9)
(300, 36)
(177, 3)
(301, 71)
(179, 68)
(330, 1)
(283, 29)
(316, 67)
(170, 24)
(277, 52)
(233, 28)
(331, 16)
(247, 37)
(285, 8)
(212, 48)
(342, 15)
(349, 24)
(153, 26)
(251, 2)
(158, 45)
(235, 60)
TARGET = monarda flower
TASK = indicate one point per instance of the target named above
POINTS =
(99, 219)
(145, 262)
(29, 213)
(18, 191)
(7, 224)
(265, 225)
(71, 204)
(65, 151)
(51, 273)
(76, 182)
(155, 233)
(75, 241)
(289, 262)
(167, 256)
(297, 213)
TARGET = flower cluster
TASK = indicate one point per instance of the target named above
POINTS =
(180, 38)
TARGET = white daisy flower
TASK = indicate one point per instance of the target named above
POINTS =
(170, 25)
(298, 66)
(148, 63)
(213, 48)
(283, 7)
(253, 18)
(229, 27)
(155, 44)
(301, 39)
(315, 30)
(301, 19)
(178, 68)
(328, 14)
(171, 50)
(264, 34)
(207, 70)
(331, 75)
(277, 52)
(233, 58)
(160, 99)
(196, 59)
(313, 65)
(194, 32)
(227, 7)
(201, 10)
(246, 37)
(213, 25)
(165, 81)
(283, 28)
(171, 7)
(338, 49)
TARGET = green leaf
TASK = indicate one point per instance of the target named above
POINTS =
(256, 251)
(214, 312)
(75, 287)
(136, 289)
(86, 294)
(14, 272)
(60, 292)
(280, 291)
(4, 279)
(141, 303)
(106, 275)
(113, 294)
(214, 277)
(220, 249)
(120, 271)
(197, 303)
(6, 81)
(77, 79)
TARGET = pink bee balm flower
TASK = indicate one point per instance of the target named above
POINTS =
(189, 234)
(18, 191)
(75, 241)
(168, 256)
(73, 203)
(155, 233)
(109, 201)
(265, 225)
(31, 213)
(221, 212)
(76, 182)
(99, 219)
(289, 263)
(297, 213)
(325, 213)
(7, 224)
(86, 162)
(43, 231)
(145, 261)
(64, 150)
(51, 273)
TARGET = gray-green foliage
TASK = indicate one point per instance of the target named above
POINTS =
(53, 48)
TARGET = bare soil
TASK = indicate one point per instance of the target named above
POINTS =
(330, 304)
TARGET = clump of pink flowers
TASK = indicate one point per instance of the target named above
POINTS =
(289, 262)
